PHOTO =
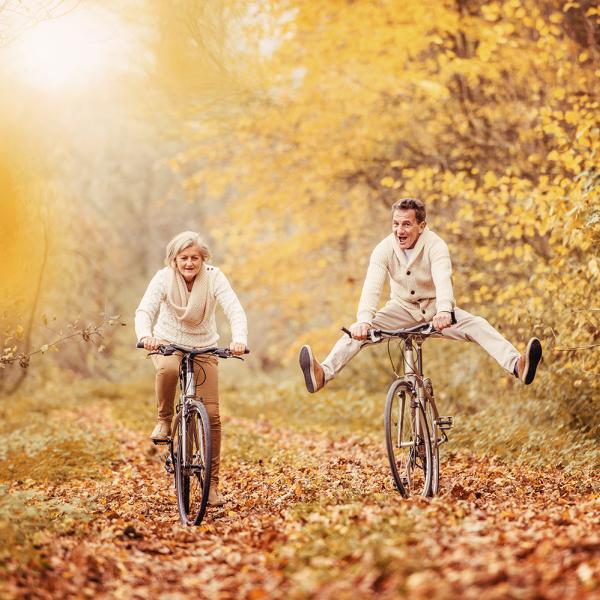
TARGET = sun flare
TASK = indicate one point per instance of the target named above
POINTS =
(68, 51)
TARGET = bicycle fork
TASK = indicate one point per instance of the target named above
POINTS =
(189, 394)
(413, 376)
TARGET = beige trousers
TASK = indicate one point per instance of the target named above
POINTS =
(393, 316)
(207, 388)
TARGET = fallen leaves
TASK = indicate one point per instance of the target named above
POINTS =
(308, 515)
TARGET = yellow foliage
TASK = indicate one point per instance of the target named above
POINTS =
(489, 114)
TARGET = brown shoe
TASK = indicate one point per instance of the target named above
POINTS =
(162, 431)
(214, 497)
(528, 362)
(314, 377)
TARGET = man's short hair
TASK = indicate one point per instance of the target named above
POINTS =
(417, 205)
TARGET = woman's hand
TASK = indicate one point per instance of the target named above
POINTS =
(237, 349)
(152, 343)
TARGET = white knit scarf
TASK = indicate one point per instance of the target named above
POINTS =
(192, 308)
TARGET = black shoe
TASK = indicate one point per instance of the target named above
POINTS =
(528, 362)
(314, 378)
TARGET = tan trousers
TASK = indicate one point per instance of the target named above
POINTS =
(207, 388)
(393, 316)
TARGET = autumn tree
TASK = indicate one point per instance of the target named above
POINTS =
(487, 111)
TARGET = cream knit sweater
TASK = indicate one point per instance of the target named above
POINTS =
(171, 329)
(422, 285)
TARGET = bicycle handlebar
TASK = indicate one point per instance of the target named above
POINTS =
(169, 349)
(422, 329)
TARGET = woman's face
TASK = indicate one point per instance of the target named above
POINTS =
(189, 262)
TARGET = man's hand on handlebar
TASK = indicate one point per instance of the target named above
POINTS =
(360, 331)
(237, 349)
(442, 320)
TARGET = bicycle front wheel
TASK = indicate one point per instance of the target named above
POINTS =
(407, 441)
(192, 464)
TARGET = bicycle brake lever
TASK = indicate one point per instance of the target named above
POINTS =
(373, 337)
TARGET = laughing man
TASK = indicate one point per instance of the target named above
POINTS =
(417, 262)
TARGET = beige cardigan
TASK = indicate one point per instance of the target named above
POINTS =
(422, 285)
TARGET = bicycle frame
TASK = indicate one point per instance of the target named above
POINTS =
(413, 374)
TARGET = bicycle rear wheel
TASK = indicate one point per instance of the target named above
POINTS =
(192, 464)
(435, 435)
(407, 440)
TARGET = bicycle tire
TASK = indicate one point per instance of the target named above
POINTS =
(435, 436)
(409, 454)
(193, 466)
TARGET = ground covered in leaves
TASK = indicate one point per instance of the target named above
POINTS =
(310, 512)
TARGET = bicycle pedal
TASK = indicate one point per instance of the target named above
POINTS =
(444, 423)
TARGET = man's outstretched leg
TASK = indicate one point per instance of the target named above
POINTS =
(316, 374)
(476, 329)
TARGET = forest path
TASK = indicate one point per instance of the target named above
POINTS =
(311, 516)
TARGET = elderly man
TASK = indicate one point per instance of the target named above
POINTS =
(418, 264)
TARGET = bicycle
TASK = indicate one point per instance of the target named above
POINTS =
(414, 429)
(190, 455)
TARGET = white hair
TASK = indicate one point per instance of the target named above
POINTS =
(182, 241)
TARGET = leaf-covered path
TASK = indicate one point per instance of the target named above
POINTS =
(312, 516)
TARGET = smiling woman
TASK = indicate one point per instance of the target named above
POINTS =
(71, 50)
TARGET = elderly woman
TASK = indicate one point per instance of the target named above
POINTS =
(184, 295)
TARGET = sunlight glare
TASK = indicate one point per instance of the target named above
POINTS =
(70, 50)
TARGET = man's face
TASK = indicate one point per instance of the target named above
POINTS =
(405, 227)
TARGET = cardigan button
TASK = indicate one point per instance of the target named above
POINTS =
(408, 272)
(423, 311)
(412, 291)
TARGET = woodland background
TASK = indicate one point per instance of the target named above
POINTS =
(283, 131)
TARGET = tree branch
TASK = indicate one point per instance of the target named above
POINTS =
(86, 333)
(574, 349)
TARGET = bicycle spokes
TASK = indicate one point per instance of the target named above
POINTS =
(192, 469)
(407, 440)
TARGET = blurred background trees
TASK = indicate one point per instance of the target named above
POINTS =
(283, 131)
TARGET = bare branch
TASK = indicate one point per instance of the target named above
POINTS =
(87, 333)
(576, 348)
(30, 16)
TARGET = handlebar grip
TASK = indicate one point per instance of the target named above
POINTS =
(139, 345)
(346, 331)
(453, 317)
